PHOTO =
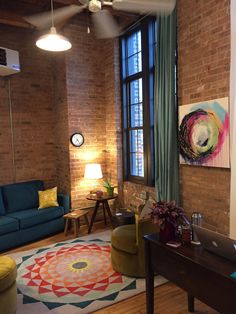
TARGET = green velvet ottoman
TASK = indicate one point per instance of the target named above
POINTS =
(127, 247)
(8, 274)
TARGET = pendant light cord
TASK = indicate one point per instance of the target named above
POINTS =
(52, 13)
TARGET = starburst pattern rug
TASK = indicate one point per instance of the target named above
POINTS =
(71, 277)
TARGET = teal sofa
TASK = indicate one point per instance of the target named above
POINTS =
(21, 221)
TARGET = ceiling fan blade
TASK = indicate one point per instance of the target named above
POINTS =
(105, 25)
(145, 6)
(44, 20)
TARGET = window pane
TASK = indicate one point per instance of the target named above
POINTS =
(137, 115)
(134, 43)
(137, 165)
(136, 153)
(136, 105)
(123, 45)
(135, 64)
(125, 105)
(152, 44)
(136, 92)
(136, 141)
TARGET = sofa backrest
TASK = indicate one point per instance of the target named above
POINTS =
(20, 196)
(2, 207)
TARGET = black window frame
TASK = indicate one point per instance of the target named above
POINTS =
(147, 26)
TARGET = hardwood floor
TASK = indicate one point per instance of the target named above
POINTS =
(169, 299)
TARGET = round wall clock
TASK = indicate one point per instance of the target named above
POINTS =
(77, 139)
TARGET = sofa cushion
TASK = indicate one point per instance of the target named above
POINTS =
(2, 207)
(124, 239)
(20, 196)
(8, 224)
(31, 217)
(48, 198)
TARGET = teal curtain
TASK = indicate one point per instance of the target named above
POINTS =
(166, 113)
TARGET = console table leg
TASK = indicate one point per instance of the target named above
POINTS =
(93, 216)
(190, 303)
(149, 280)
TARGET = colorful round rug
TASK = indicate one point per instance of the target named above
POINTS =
(71, 272)
(71, 277)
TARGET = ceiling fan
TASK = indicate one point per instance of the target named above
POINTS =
(105, 24)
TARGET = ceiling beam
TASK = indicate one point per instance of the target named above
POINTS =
(13, 19)
(14, 16)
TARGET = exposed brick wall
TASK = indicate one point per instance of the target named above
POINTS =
(204, 63)
(6, 171)
(33, 119)
(80, 92)
(113, 112)
(85, 76)
(61, 125)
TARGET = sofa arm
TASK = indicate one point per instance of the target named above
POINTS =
(64, 200)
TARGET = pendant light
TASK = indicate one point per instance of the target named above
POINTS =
(53, 41)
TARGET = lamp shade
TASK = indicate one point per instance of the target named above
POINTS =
(53, 41)
(93, 171)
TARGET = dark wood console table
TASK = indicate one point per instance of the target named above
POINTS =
(201, 274)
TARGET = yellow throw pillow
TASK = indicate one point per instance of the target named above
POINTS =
(48, 198)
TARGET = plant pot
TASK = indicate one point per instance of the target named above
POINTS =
(110, 191)
(167, 232)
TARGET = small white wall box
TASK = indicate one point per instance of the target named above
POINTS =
(9, 62)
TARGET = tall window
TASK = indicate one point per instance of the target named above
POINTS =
(137, 78)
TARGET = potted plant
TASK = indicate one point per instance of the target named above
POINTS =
(109, 187)
(168, 216)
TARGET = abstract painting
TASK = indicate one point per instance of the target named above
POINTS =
(204, 133)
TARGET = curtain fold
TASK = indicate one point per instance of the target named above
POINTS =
(166, 113)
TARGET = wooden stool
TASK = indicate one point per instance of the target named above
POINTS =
(74, 218)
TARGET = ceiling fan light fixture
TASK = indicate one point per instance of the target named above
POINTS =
(94, 6)
(53, 41)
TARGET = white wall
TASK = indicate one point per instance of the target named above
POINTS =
(233, 121)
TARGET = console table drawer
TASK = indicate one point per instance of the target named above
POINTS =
(169, 265)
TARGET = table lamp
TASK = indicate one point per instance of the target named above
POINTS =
(94, 172)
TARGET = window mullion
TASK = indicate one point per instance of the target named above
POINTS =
(133, 77)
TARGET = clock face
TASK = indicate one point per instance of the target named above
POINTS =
(77, 139)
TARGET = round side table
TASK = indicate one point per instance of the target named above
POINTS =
(103, 200)
(123, 217)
